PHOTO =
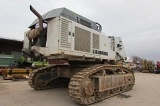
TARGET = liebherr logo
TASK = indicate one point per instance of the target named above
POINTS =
(100, 52)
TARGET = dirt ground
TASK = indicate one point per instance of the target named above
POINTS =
(146, 92)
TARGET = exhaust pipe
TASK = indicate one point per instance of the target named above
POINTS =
(39, 17)
(34, 33)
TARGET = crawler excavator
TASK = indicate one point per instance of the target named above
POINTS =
(147, 66)
(79, 56)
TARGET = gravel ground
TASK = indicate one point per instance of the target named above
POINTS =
(146, 92)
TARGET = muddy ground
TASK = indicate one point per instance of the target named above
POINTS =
(146, 92)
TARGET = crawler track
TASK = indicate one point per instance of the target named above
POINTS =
(32, 76)
(76, 83)
(58, 82)
(81, 87)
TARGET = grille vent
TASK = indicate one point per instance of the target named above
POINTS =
(95, 41)
(82, 40)
(64, 34)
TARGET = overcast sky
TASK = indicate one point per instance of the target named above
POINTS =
(136, 21)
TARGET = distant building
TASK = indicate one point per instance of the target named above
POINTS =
(11, 46)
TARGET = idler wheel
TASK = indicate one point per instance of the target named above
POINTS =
(88, 88)
(40, 80)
